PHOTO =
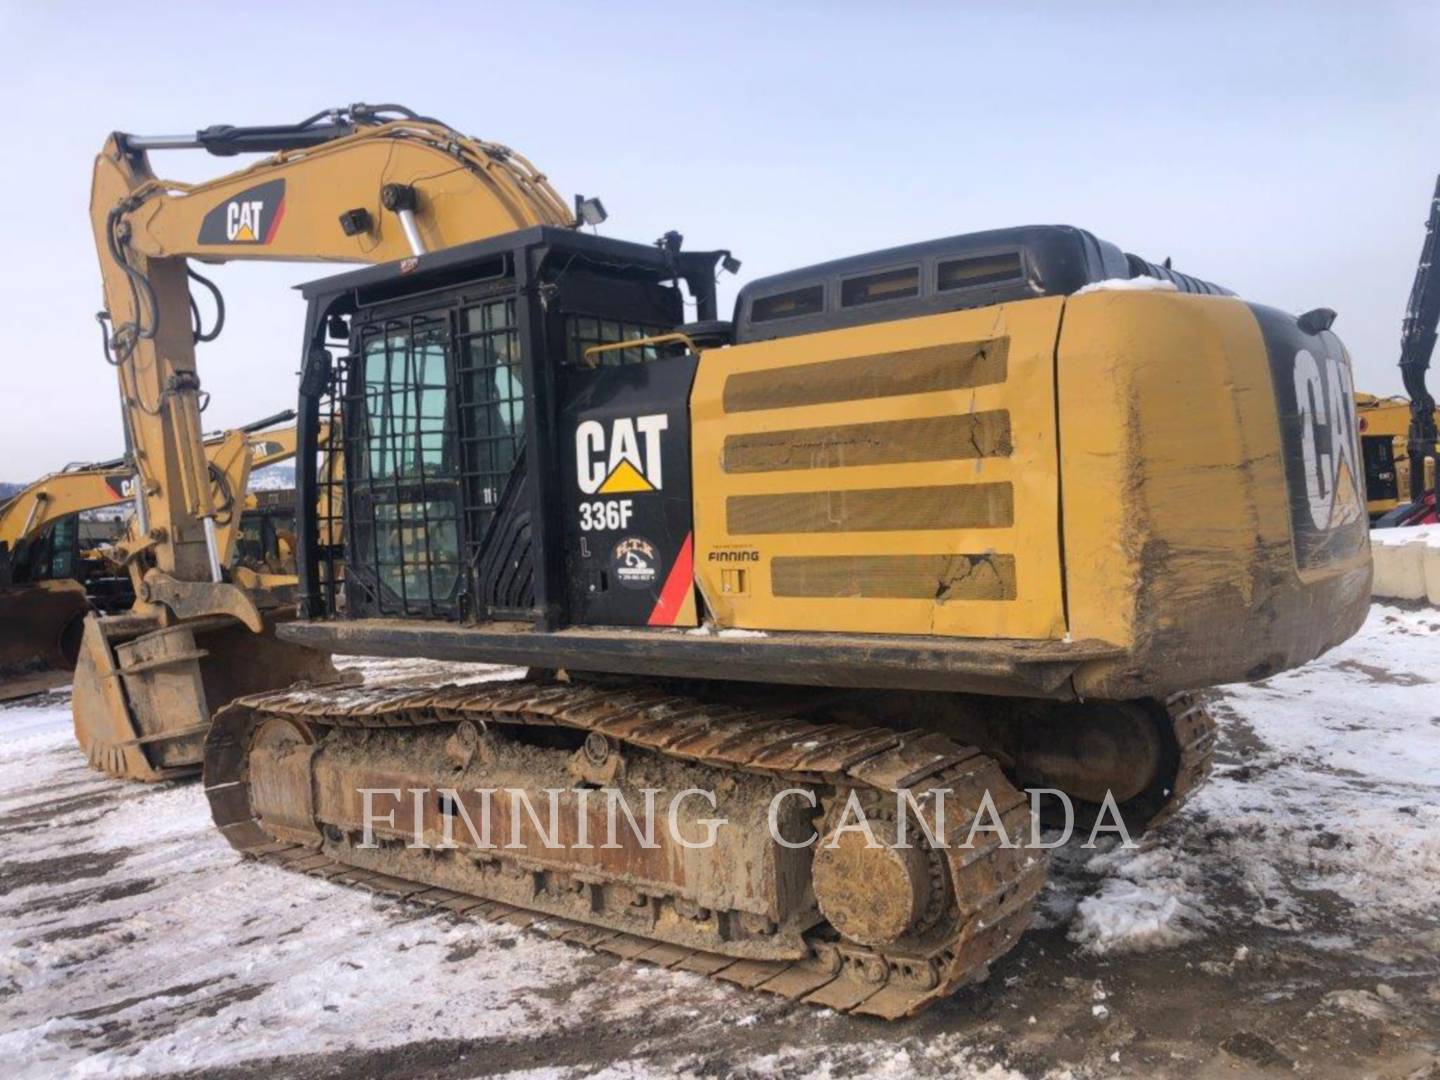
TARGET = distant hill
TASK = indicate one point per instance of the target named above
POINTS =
(7, 490)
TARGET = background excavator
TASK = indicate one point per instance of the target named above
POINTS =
(50, 578)
(1416, 499)
(914, 526)
(344, 188)
(1385, 424)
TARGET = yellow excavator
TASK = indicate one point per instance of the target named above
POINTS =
(1384, 443)
(910, 532)
(47, 582)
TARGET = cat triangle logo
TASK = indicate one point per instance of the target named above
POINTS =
(1346, 506)
(625, 479)
(245, 233)
(609, 459)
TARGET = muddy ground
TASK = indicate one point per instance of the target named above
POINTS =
(1287, 924)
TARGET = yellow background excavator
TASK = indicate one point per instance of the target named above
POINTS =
(48, 580)
(1384, 443)
(344, 187)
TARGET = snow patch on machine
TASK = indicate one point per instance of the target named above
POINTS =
(1135, 284)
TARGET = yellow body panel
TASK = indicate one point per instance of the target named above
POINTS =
(1177, 523)
(1197, 511)
(824, 494)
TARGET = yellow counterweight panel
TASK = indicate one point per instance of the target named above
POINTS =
(1177, 524)
(894, 478)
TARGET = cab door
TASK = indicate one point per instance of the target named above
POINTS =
(403, 512)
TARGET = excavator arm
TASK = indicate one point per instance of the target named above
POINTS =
(1417, 343)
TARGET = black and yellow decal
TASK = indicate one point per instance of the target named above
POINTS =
(628, 533)
(251, 217)
(121, 485)
(1315, 399)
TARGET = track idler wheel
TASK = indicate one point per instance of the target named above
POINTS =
(1148, 755)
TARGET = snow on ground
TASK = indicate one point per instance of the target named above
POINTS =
(37, 718)
(1402, 535)
(382, 672)
(133, 941)
(1146, 900)
(190, 959)
(1329, 779)
(1354, 753)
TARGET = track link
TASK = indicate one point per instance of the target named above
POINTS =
(1195, 737)
(986, 891)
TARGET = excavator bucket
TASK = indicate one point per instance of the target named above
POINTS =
(144, 694)
(40, 626)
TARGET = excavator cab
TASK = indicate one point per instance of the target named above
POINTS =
(265, 542)
(457, 404)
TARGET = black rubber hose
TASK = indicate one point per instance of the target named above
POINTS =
(200, 333)
(122, 341)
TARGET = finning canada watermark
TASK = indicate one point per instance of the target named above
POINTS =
(501, 819)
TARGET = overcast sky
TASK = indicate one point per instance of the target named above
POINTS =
(1288, 152)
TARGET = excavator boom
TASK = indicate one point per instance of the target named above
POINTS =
(1417, 344)
(58, 495)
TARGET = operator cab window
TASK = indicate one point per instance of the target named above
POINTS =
(492, 405)
(583, 332)
(405, 509)
(64, 542)
(405, 400)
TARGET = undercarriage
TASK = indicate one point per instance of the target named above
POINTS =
(737, 849)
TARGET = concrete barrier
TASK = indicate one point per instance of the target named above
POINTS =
(1407, 563)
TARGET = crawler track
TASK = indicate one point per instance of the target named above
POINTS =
(972, 901)
(1194, 733)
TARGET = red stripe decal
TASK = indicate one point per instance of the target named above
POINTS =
(672, 596)
(275, 221)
